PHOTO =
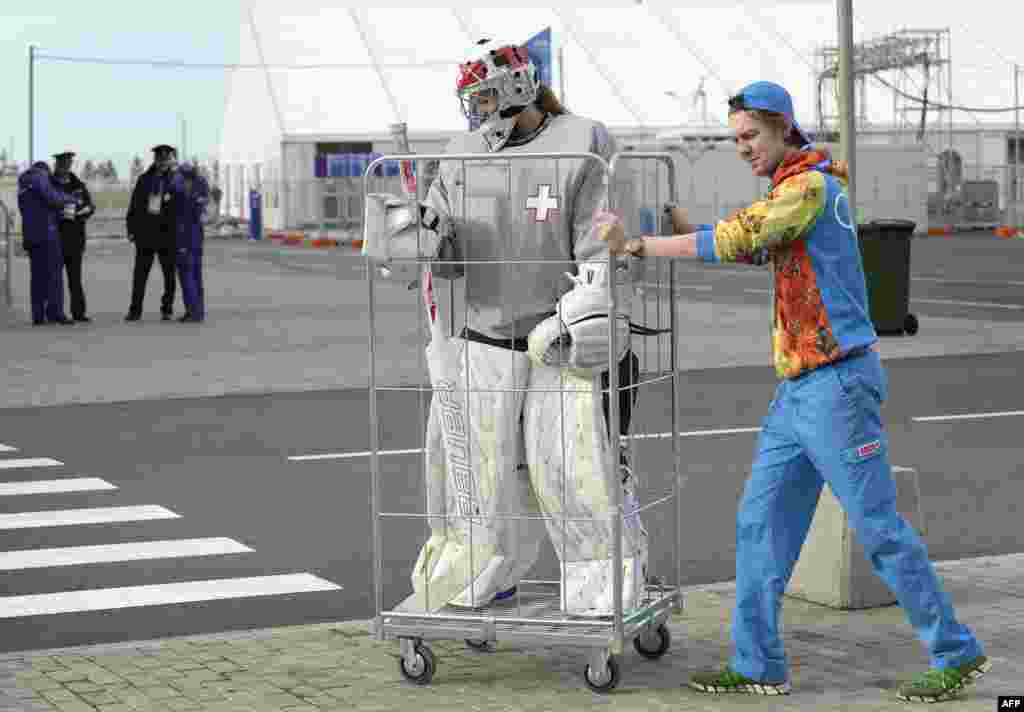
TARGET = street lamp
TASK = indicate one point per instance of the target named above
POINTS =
(847, 103)
(1014, 221)
(31, 99)
(698, 96)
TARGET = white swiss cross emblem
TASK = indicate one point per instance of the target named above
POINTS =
(542, 203)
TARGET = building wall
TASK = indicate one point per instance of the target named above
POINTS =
(895, 176)
(891, 184)
(311, 203)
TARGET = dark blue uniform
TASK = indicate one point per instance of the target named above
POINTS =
(191, 196)
(40, 204)
(150, 223)
(72, 237)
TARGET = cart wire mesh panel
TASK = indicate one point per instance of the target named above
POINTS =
(542, 502)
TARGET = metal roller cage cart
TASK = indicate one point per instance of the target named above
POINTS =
(415, 312)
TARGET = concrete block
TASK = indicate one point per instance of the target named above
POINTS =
(832, 569)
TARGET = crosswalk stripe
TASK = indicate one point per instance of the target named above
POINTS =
(7, 448)
(92, 515)
(103, 599)
(69, 484)
(110, 553)
(29, 462)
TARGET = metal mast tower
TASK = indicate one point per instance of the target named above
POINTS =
(915, 66)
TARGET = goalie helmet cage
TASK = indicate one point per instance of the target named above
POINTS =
(639, 183)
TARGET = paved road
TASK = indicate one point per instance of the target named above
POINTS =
(222, 465)
(287, 326)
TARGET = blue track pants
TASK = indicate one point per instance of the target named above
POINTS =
(826, 426)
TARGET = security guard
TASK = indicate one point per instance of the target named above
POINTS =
(150, 224)
(191, 196)
(72, 229)
(40, 203)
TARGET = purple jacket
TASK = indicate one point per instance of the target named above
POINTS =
(188, 209)
(39, 203)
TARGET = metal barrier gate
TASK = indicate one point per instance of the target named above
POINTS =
(8, 256)
(424, 501)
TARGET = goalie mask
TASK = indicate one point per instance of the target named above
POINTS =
(505, 80)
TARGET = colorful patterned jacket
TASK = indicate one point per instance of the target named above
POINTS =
(821, 302)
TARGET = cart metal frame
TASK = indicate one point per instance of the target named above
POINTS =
(8, 255)
(535, 617)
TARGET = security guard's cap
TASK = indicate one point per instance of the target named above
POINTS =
(163, 148)
(66, 155)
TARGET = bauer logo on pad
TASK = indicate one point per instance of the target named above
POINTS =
(869, 449)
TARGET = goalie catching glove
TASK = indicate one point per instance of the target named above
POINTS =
(576, 336)
(398, 232)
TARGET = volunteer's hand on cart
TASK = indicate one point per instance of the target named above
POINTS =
(610, 229)
(681, 224)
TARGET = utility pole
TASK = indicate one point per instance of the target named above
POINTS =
(1014, 219)
(847, 108)
(31, 100)
(561, 74)
(183, 126)
(701, 97)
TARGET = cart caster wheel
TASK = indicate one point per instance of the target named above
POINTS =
(654, 644)
(422, 670)
(481, 646)
(605, 682)
(910, 324)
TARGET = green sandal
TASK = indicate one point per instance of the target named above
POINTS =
(938, 685)
(731, 681)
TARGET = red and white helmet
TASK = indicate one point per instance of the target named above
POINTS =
(505, 72)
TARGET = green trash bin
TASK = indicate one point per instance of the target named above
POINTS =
(885, 253)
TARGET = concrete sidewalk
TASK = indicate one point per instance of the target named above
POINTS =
(840, 661)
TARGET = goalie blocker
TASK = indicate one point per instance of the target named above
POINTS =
(398, 232)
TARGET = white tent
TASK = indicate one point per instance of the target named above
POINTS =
(621, 60)
(313, 73)
(345, 71)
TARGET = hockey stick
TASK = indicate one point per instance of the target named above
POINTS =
(442, 365)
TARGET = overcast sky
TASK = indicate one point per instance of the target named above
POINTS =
(119, 111)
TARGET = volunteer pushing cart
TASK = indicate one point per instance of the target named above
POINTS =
(520, 431)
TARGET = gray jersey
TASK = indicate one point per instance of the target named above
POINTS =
(528, 219)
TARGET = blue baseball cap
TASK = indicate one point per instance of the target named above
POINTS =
(767, 96)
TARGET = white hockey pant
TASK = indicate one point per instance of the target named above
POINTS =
(557, 428)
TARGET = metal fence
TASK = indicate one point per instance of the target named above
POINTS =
(112, 200)
(8, 253)
(897, 178)
(983, 196)
(892, 183)
(971, 181)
